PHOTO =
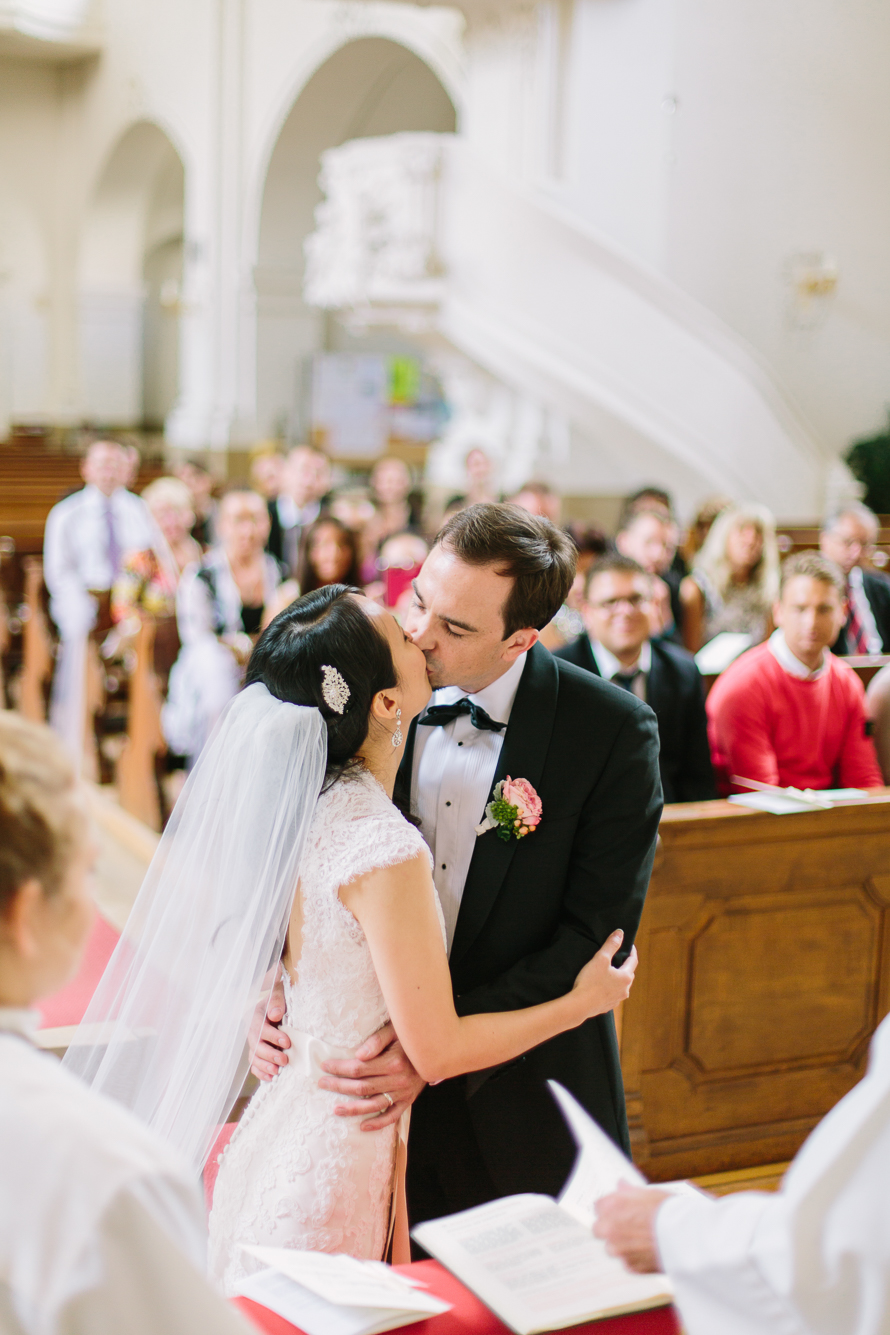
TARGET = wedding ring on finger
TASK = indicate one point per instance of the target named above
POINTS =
(389, 1099)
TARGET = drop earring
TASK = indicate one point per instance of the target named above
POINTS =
(397, 735)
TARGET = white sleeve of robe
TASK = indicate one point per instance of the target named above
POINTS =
(813, 1259)
(149, 1285)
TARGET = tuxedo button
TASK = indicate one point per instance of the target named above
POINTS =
(444, 868)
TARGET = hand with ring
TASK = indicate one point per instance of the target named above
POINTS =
(388, 1097)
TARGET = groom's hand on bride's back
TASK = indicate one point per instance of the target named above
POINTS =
(270, 1042)
(379, 1079)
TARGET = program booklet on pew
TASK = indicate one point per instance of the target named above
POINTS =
(534, 1260)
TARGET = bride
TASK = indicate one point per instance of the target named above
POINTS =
(285, 845)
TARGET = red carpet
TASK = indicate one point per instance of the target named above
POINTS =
(68, 1006)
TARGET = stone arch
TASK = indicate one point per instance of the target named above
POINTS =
(129, 280)
(370, 86)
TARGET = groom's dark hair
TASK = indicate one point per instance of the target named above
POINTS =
(539, 557)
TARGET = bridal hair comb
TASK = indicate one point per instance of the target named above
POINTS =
(334, 689)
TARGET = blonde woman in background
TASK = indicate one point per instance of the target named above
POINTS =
(735, 580)
(148, 579)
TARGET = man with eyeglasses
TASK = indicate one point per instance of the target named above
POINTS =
(848, 539)
(618, 647)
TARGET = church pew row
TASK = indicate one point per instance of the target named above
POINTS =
(764, 970)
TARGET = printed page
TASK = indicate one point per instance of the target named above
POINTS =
(536, 1266)
(600, 1165)
(304, 1309)
(346, 1282)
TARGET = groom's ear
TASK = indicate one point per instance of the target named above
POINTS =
(519, 643)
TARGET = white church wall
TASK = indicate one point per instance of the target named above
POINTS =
(780, 149)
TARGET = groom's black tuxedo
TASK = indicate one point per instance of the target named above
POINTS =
(533, 912)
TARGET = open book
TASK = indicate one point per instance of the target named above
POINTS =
(534, 1261)
(336, 1295)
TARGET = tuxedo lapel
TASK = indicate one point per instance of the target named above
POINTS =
(523, 756)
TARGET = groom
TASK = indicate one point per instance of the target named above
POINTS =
(522, 916)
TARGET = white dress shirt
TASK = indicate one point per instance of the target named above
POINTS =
(609, 666)
(810, 1259)
(75, 550)
(101, 1226)
(778, 647)
(856, 591)
(454, 769)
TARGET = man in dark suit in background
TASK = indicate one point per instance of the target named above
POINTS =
(305, 482)
(618, 647)
(848, 538)
(524, 915)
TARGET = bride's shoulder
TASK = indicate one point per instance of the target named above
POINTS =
(358, 828)
(357, 796)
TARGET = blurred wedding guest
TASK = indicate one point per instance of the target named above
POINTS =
(702, 523)
(649, 537)
(656, 498)
(480, 471)
(352, 506)
(267, 473)
(328, 555)
(85, 540)
(617, 646)
(877, 704)
(848, 538)
(199, 481)
(401, 557)
(102, 1226)
(220, 605)
(148, 579)
(591, 543)
(396, 510)
(812, 1258)
(539, 499)
(734, 579)
(306, 480)
(788, 712)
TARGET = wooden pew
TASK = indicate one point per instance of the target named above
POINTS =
(764, 969)
(865, 666)
(137, 784)
(37, 652)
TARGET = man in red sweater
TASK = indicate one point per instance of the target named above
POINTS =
(788, 712)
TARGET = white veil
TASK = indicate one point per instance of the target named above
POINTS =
(166, 1032)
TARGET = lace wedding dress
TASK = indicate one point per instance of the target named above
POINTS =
(294, 1174)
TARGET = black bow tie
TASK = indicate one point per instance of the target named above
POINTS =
(626, 680)
(438, 715)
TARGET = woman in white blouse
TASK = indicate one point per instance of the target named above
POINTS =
(101, 1226)
(221, 606)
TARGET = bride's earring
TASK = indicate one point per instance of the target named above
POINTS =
(397, 735)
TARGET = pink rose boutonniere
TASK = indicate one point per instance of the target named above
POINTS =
(514, 810)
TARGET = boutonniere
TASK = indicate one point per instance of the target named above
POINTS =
(514, 810)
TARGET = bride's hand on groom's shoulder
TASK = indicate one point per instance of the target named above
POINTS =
(379, 1079)
(602, 987)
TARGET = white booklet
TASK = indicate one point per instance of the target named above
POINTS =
(336, 1295)
(533, 1260)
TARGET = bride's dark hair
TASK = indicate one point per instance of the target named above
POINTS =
(326, 627)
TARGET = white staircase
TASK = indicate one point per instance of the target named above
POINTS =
(626, 371)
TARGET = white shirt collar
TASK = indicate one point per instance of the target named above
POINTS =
(608, 664)
(496, 699)
(778, 647)
(17, 1020)
(854, 579)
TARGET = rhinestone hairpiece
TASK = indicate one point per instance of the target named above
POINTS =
(334, 689)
